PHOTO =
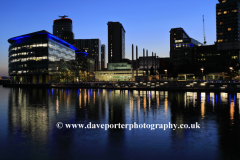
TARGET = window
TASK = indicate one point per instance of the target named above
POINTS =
(229, 29)
(219, 13)
(235, 10)
(223, 1)
(221, 23)
(220, 40)
(225, 12)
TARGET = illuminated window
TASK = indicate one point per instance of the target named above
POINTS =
(235, 10)
(225, 12)
(220, 33)
(223, 1)
(219, 13)
(220, 40)
(229, 29)
(221, 23)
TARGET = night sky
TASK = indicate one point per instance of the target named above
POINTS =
(147, 22)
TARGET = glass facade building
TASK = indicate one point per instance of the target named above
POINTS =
(41, 57)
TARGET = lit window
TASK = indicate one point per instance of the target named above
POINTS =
(223, 1)
(221, 23)
(220, 33)
(219, 13)
(225, 12)
(220, 40)
(229, 29)
(235, 10)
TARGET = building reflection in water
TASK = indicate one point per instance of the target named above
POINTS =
(34, 112)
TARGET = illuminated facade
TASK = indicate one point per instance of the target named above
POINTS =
(41, 57)
(116, 75)
(116, 42)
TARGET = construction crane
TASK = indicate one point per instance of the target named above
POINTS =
(204, 32)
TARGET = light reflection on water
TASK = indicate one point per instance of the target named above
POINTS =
(33, 114)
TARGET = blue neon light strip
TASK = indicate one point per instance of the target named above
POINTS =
(82, 52)
(20, 37)
(49, 36)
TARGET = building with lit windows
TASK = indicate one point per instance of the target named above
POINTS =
(102, 56)
(228, 27)
(62, 28)
(181, 47)
(118, 72)
(116, 42)
(41, 57)
(93, 48)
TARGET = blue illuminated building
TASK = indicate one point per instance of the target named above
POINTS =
(41, 57)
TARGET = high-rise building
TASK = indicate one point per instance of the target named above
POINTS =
(227, 12)
(102, 56)
(92, 47)
(116, 42)
(62, 28)
(228, 26)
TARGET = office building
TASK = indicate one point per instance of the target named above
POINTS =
(116, 42)
(41, 57)
(181, 47)
(102, 56)
(62, 28)
(93, 48)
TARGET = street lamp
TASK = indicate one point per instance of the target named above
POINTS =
(165, 72)
(202, 71)
(231, 68)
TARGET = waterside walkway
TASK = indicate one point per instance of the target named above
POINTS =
(161, 86)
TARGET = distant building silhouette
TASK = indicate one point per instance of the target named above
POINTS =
(116, 42)
(62, 28)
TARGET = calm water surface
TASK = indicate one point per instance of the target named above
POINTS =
(28, 120)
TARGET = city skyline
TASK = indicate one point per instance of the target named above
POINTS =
(149, 29)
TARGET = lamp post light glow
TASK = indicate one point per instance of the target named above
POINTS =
(202, 72)
(231, 68)
(202, 69)
(165, 72)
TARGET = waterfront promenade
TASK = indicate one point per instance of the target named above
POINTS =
(163, 85)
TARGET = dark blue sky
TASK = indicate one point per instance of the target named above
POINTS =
(147, 22)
